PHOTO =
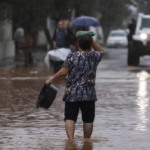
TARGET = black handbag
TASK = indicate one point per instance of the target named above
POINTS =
(46, 96)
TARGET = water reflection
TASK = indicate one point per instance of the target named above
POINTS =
(142, 100)
(72, 145)
(87, 145)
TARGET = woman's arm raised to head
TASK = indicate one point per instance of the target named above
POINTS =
(97, 47)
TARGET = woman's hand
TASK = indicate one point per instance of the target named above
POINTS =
(49, 81)
(63, 72)
(97, 47)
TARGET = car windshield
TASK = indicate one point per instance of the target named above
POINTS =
(117, 34)
(145, 23)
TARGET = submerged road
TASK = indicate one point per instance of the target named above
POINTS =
(122, 111)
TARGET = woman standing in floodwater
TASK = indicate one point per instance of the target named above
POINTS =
(80, 67)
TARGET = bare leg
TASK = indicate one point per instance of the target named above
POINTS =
(88, 129)
(70, 127)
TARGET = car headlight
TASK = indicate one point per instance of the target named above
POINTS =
(143, 36)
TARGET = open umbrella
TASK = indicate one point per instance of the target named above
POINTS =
(85, 21)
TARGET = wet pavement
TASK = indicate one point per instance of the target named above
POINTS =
(122, 111)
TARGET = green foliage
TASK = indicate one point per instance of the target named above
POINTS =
(32, 13)
(5, 10)
(142, 5)
(113, 13)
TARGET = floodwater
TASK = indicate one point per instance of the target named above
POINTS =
(122, 111)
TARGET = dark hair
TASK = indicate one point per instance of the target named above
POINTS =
(85, 42)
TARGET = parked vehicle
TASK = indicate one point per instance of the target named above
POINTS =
(117, 38)
(139, 44)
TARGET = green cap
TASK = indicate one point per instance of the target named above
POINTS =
(82, 33)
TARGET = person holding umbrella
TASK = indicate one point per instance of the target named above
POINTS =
(80, 94)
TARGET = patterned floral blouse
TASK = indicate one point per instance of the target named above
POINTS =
(80, 85)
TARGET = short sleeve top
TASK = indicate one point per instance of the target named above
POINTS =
(82, 66)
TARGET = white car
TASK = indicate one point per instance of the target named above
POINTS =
(117, 38)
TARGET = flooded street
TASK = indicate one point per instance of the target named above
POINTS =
(122, 111)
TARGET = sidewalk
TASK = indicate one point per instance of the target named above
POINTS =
(38, 56)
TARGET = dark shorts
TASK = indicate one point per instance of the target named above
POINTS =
(87, 109)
